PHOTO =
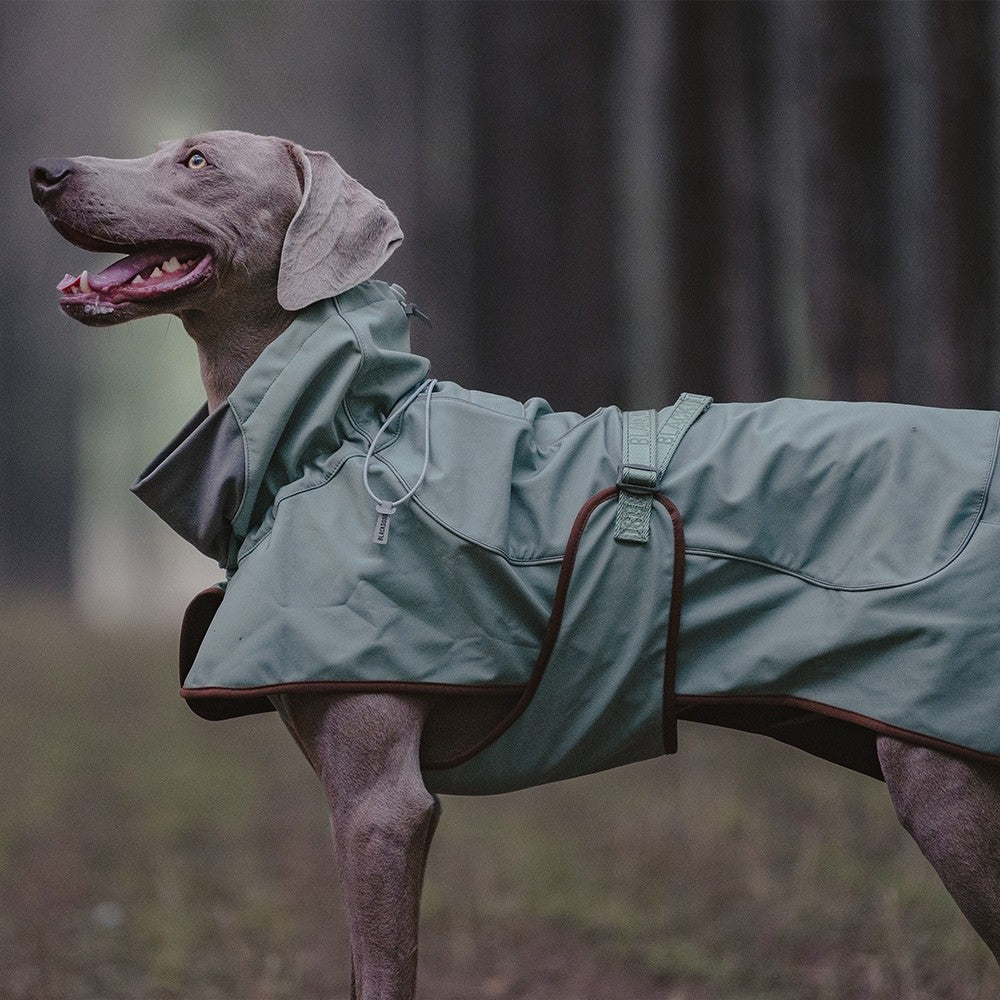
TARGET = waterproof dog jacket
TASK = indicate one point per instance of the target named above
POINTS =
(820, 572)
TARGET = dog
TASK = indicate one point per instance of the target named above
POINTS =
(255, 243)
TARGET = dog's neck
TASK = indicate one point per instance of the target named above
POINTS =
(228, 348)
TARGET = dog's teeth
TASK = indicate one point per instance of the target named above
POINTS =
(84, 283)
(157, 273)
(169, 266)
(138, 280)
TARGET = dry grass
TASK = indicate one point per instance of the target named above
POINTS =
(145, 854)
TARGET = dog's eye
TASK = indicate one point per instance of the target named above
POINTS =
(196, 161)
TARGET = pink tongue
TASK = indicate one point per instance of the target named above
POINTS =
(66, 282)
(126, 269)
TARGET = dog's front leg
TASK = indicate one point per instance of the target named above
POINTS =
(365, 749)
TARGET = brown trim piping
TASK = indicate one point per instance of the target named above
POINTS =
(255, 699)
(673, 628)
(350, 687)
(845, 715)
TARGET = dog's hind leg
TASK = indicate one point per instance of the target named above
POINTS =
(365, 749)
(951, 807)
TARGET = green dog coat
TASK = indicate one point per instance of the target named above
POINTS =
(820, 572)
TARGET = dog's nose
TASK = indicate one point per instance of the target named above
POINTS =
(49, 177)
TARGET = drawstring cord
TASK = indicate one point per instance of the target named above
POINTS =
(385, 508)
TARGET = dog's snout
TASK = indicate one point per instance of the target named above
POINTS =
(49, 177)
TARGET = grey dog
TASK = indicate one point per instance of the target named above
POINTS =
(214, 232)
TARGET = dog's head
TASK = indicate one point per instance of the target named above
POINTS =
(217, 215)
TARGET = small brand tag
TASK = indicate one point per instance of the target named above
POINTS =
(384, 510)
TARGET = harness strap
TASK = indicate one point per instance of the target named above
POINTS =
(645, 457)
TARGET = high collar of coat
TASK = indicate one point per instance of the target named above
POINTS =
(334, 374)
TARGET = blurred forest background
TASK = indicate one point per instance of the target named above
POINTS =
(603, 202)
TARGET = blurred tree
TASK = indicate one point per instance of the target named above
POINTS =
(543, 201)
(37, 375)
(644, 265)
(963, 238)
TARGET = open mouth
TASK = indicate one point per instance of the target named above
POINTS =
(144, 276)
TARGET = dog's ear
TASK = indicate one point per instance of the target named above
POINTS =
(341, 234)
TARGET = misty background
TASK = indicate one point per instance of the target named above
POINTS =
(603, 202)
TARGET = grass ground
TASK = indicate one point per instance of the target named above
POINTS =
(148, 855)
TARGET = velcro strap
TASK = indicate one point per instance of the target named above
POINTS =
(637, 476)
(645, 457)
